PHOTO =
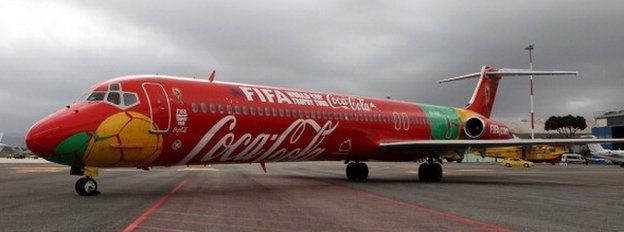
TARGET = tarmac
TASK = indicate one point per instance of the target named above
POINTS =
(315, 196)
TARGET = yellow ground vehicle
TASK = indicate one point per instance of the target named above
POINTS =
(516, 162)
(537, 153)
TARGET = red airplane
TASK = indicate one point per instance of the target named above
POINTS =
(149, 120)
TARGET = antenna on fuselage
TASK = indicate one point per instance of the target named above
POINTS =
(212, 75)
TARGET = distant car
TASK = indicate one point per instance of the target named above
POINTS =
(572, 158)
(594, 160)
(19, 156)
(515, 162)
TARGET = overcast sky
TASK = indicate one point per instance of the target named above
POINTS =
(50, 52)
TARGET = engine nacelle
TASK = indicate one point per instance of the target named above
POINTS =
(479, 128)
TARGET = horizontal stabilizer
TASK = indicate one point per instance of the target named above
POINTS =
(510, 72)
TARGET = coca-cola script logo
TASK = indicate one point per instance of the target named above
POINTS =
(354, 103)
(251, 148)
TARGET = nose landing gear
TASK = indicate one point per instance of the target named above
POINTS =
(357, 171)
(85, 186)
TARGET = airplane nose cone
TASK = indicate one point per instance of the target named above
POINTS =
(41, 139)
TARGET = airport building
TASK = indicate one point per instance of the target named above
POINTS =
(610, 125)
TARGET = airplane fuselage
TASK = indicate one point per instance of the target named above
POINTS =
(147, 121)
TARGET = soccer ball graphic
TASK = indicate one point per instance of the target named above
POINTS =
(123, 140)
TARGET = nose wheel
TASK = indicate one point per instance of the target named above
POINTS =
(430, 172)
(86, 186)
(357, 171)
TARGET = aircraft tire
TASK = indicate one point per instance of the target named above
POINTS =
(622, 165)
(423, 172)
(352, 171)
(362, 173)
(435, 172)
(86, 187)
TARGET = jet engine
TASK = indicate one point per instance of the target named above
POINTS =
(478, 128)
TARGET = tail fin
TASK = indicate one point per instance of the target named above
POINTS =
(1, 135)
(483, 97)
(595, 148)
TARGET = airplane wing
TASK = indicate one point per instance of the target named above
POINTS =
(438, 145)
(610, 156)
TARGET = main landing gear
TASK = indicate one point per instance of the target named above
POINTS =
(430, 171)
(85, 186)
(357, 171)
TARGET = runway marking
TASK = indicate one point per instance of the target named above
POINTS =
(133, 226)
(37, 169)
(198, 169)
(239, 227)
(222, 216)
(291, 214)
(162, 229)
(488, 227)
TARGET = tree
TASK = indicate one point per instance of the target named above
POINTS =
(566, 125)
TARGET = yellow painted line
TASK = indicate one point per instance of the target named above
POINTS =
(198, 169)
(36, 169)
(122, 170)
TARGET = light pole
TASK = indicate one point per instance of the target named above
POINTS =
(530, 48)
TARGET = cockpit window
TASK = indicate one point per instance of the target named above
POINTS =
(114, 87)
(130, 99)
(114, 97)
(96, 96)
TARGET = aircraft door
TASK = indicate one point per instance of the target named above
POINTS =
(159, 106)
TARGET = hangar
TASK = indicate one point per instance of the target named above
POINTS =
(610, 125)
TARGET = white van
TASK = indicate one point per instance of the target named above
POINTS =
(572, 158)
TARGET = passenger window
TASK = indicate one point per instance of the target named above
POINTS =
(220, 109)
(274, 112)
(267, 111)
(130, 99)
(236, 109)
(244, 110)
(288, 113)
(300, 113)
(306, 114)
(252, 110)
(114, 87)
(114, 98)
(212, 108)
(281, 112)
(194, 107)
(228, 108)
(260, 111)
(204, 108)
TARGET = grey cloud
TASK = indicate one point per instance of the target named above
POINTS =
(371, 48)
